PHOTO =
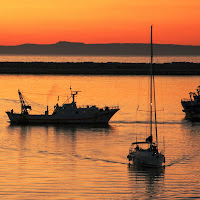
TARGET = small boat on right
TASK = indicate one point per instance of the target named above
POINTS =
(191, 106)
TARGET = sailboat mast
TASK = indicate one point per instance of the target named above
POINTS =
(151, 48)
(153, 92)
(151, 84)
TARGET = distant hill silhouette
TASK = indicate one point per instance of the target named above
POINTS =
(73, 48)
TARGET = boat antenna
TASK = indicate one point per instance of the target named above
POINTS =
(73, 93)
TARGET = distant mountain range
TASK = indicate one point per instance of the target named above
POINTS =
(111, 49)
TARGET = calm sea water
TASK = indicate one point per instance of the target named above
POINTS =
(89, 162)
(125, 59)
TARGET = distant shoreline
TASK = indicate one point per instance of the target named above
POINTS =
(90, 68)
(109, 49)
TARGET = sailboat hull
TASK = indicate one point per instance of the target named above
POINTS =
(147, 158)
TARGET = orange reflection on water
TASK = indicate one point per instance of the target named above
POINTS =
(81, 162)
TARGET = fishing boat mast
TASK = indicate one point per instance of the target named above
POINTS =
(73, 94)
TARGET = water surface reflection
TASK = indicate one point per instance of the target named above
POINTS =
(89, 162)
(148, 182)
(62, 128)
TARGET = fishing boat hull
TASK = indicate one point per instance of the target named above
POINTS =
(192, 116)
(191, 106)
(191, 110)
(82, 118)
(146, 158)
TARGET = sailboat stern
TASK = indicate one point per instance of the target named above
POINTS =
(148, 157)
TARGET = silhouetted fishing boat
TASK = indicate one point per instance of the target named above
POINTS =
(67, 113)
(150, 156)
(191, 107)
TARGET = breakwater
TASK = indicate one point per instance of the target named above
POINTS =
(90, 68)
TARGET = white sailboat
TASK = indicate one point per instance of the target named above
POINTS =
(150, 156)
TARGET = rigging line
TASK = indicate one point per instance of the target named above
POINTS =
(147, 106)
(44, 94)
(142, 91)
(156, 127)
(33, 102)
(96, 101)
(39, 111)
(138, 95)
(153, 84)
(149, 111)
(13, 100)
(67, 101)
(162, 100)
(29, 101)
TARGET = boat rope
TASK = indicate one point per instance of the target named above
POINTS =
(34, 103)
(155, 114)
(149, 111)
(44, 94)
(11, 100)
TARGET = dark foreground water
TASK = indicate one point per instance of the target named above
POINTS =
(89, 162)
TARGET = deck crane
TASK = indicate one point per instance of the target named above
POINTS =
(25, 108)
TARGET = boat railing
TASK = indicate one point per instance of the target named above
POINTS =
(185, 100)
(131, 149)
(87, 106)
(113, 107)
(162, 151)
(105, 107)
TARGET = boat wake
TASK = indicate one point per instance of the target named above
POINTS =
(184, 159)
(101, 160)
(84, 158)
(147, 122)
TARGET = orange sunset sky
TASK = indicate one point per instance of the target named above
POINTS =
(99, 21)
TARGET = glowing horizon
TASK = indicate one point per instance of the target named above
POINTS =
(89, 22)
